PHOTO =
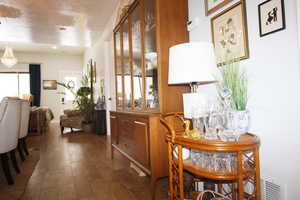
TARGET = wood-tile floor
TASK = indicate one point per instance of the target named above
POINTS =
(78, 167)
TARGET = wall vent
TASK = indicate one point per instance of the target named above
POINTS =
(272, 190)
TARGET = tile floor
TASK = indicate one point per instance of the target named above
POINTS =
(77, 166)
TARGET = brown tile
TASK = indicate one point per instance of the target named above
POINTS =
(77, 167)
(121, 192)
(49, 194)
(67, 192)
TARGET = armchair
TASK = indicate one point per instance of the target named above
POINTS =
(71, 119)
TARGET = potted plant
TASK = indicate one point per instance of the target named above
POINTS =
(86, 107)
(85, 103)
(235, 82)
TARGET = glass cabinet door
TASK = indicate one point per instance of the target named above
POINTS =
(138, 86)
(119, 71)
(151, 76)
(126, 66)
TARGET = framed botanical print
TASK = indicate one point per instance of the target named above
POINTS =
(213, 5)
(230, 34)
(271, 17)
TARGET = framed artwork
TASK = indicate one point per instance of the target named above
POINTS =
(92, 68)
(230, 34)
(271, 17)
(213, 5)
(49, 84)
(94, 72)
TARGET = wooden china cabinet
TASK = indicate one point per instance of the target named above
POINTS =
(142, 40)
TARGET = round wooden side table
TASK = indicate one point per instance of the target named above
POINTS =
(246, 164)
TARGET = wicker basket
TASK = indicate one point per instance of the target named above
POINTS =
(211, 195)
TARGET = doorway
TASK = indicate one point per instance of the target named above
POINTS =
(71, 78)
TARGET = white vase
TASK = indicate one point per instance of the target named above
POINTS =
(241, 121)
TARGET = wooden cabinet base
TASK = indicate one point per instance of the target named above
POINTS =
(141, 139)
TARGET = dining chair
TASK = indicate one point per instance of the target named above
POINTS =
(24, 123)
(10, 112)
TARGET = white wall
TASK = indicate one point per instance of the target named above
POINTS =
(298, 20)
(102, 53)
(96, 52)
(274, 74)
(51, 65)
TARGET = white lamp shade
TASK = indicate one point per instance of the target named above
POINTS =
(8, 58)
(192, 63)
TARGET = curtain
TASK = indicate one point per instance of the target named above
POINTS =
(35, 83)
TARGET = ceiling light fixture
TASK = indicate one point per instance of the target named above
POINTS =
(8, 58)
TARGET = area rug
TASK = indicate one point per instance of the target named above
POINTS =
(14, 192)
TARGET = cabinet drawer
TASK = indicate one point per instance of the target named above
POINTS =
(141, 147)
(126, 136)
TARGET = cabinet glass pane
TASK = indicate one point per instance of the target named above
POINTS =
(151, 56)
(119, 70)
(136, 56)
(127, 66)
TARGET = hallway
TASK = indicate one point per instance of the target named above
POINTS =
(78, 166)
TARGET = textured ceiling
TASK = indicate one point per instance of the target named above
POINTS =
(76, 23)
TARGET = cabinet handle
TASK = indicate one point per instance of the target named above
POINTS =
(113, 117)
(140, 123)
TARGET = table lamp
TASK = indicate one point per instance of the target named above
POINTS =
(194, 64)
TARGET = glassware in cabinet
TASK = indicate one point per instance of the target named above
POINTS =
(151, 73)
(127, 66)
(119, 71)
(138, 85)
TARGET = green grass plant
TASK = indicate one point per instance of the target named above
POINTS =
(235, 79)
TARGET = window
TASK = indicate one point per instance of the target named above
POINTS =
(14, 84)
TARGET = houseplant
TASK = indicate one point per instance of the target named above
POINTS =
(234, 79)
(85, 104)
(84, 101)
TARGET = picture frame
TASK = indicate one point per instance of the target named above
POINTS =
(93, 70)
(213, 5)
(271, 15)
(49, 84)
(230, 33)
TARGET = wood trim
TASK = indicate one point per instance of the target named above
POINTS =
(122, 65)
(130, 9)
(131, 58)
(208, 12)
(167, 11)
(142, 15)
(115, 59)
(159, 54)
(257, 174)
